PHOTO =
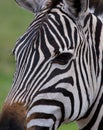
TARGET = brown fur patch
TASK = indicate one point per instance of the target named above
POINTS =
(13, 117)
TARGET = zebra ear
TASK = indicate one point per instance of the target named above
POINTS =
(77, 6)
(96, 7)
(33, 5)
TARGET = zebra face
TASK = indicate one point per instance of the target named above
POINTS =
(55, 69)
(47, 78)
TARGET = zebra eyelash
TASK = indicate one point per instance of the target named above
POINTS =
(63, 57)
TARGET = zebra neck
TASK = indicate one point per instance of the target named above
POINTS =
(93, 119)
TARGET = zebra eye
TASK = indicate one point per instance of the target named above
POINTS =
(63, 58)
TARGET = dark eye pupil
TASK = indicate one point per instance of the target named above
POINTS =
(63, 58)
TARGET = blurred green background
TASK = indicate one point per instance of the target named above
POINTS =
(13, 23)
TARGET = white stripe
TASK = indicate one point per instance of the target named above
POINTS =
(57, 97)
(92, 10)
(45, 109)
(40, 122)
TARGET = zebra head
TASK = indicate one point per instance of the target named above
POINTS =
(58, 62)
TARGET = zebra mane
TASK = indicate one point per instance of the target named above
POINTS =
(96, 7)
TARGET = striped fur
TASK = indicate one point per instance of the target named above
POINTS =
(59, 70)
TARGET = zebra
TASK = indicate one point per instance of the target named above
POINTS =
(59, 69)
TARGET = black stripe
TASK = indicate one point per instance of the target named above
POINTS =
(86, 20)
(85, 69)
(79, 89)
(39, 128)
(69, 29)
(51, 39)
(101, 125)
(95, 116)
(51, 103)
(43, 45)
(43, 116)
(66, 93)
(97, 36)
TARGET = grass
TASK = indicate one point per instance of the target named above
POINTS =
(13, 23)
